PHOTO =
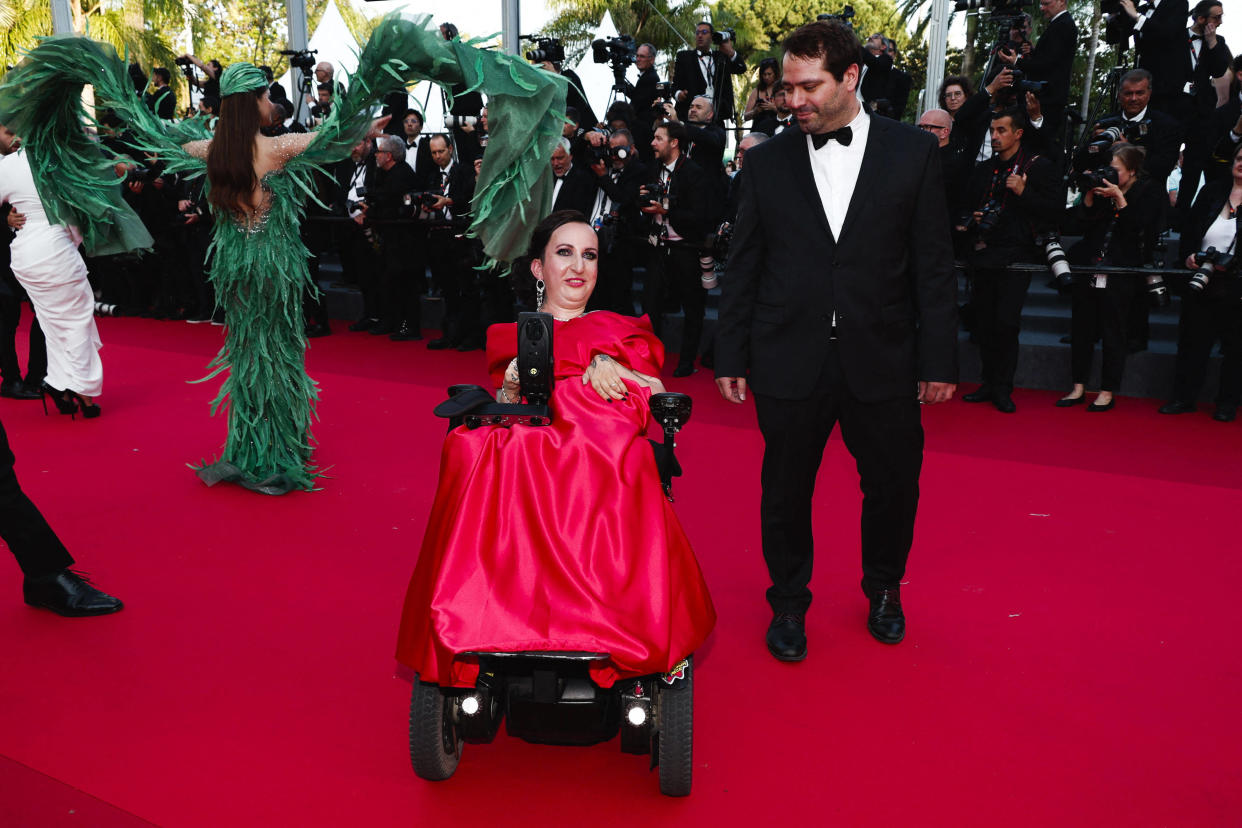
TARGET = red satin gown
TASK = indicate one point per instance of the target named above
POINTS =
(560, 537)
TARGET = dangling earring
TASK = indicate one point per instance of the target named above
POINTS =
(539, 286)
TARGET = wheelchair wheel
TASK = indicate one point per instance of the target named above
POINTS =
(435, 745)
(676, 735)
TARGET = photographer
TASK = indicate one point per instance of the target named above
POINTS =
(1121, 219)
(1050, 60)
(760, 109)
(384, 207)
(618, 176)
(359, 261)
(323, 106)
(417, 146)
(448, 253)
(1015, 193)
(704, 71)
(899, 82)
(574, 185)
(1211, 312)
(643, 95)
(1138, 123)
(212, 69)
(676, 199)
(877, 66)
(162, 100)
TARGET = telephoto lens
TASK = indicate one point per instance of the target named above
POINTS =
(1206, 262)
(707, 272)
(1157, 291)
(1057, 262)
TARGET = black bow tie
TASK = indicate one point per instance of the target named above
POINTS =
(705, 54)
(843, 136)
(1196, 37)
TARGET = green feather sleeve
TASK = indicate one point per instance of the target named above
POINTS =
(526, 109)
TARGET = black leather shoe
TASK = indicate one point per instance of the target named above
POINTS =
(787, 636)
(1177, 407)
(1224, 413)
(441, 344)
(685, 370)
(1066, 402)
(886, 622)
(405, 333)
(1004, 404)
(68, 593)
(980, 395)
(17, 390)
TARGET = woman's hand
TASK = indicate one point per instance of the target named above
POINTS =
(608, 378)
(1110, 190)
(511, 389)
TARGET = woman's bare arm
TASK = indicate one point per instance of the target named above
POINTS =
(197, 148)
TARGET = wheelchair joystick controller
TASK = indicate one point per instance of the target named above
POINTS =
(672, 411)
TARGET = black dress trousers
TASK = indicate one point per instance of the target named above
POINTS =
(31, 540)
(886, 441)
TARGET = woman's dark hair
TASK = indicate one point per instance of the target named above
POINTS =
(1133, 157)
(523, 278)
(832, 42)
(230, 160)
(620, 111)
(774, 65)
(955, 80)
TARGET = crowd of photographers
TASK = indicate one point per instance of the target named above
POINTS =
(651, 176)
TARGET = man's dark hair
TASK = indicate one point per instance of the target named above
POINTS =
(163, 74)
(626, 134)
(1016, 117)
(440, 136)
(620, 111)
(676, 131)
(706, 23)
(212, 104)
(326, 86)
(416, 114)
(831, 41)
(571, 112)
(1203, 8)
(267, 72)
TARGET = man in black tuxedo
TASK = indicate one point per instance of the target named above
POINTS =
(899, 82)
(878, 67)
(162, 100)
(838, 304)
(359, 262)
(449, 255)
(1051, 60)
(615, 213)
(704, 71)
(417, 147)
(642, 95)
(573, 187)
(682, 220)
(402, 261)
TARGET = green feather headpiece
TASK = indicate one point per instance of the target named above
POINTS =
(241, 77)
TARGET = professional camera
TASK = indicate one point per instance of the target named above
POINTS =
(664, 90)
(320, 110)
(721, 36)
(183, 61)
(605, 153)
(707, 271)
(993, 6)
(137, 174)
(547, 49)
(1157, 290)
(989, 215)
(459, 121)
(720, 241)
(1207, 262)
(301, 59)
(618, 51)
(846, 16)
(1090, 179)
(418, 200)
(657, 193)
(1021, 84)
(1057, 263)
(1117, 129)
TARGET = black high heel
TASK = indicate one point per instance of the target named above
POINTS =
(64, 404)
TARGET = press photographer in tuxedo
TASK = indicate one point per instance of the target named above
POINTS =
(1050, 60)
(619, 225)
(706, 71)
(838, 304)
(401, 253)
(449, 255)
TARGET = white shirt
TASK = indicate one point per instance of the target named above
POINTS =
(1145, 16)
(666, 175)
(1220, 235)
(835, 168)
(411, 151)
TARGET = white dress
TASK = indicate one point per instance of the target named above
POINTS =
(47, 264)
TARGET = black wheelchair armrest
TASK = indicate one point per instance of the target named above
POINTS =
(672, 411)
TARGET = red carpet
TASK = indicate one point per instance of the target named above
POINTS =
(1065, 663)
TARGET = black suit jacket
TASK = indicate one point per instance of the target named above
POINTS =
(1052, 60)
(876, 78)
(1163, 141)
(343, 173)
(460, 186)
(423, 165)
(889, 278)
(577, 192)
(1209, 203)
(643, 94)
(688, 77)
(691, 211)
(899, 84)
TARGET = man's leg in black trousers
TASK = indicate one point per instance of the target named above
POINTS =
(685, 264)
(10, 315)
(653, 287)
(36, 360)
(1194, 348)
(795, 433)
(886, 440)
(1228, 326)
(37, 549)
(983, 303)
(1011, 296)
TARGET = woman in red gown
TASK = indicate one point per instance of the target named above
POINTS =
(559, 537)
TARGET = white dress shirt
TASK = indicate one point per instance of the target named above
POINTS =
(836, 167)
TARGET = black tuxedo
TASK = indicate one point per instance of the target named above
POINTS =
(30, 539)
(1052, 60)
(577, 191)
(162, 101)
(899, 85)
(688, 77)
(421, 157)
(623, 242)
(876, 79)
(643, 94)
(888, 282)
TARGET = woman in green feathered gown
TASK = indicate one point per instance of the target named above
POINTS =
(259, 264)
